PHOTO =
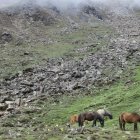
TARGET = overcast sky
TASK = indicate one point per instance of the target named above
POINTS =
(66, 3)
(5, 3)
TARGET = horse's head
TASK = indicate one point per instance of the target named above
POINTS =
(107, 113)
(110, 116)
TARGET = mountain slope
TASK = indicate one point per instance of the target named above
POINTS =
(56, 64)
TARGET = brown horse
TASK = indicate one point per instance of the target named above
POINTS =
(90, 116)
(129, 118)
(73, 119)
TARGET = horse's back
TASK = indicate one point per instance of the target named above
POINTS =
(105, 112)
(129, 117)
(99, 116)
(101, 111)
(89, 116)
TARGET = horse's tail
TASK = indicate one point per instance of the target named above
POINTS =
(120, 122)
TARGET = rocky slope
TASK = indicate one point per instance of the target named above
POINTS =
(66, 75)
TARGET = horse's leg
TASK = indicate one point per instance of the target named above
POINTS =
(94, 123)
(102, 123)
(120, 123)
(80, 122)
(123, 124)
(135, 127)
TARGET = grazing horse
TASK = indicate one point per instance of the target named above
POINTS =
(73, 119)
(105, 112)
(90, 116)
(129, 118)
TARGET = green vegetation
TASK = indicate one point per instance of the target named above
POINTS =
(51, 120)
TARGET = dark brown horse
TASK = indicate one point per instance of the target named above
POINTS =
(129, 118)
(90, 116)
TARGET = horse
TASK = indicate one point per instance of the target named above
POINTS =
(129, 118)
(90, 116)
(73, 119)
(104, 112)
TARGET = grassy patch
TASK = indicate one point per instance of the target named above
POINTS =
(137, 76)
(16, 58)
(117, 98)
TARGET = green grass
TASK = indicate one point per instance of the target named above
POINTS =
(117, 99)
(137, 76)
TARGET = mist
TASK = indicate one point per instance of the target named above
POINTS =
(64, 4)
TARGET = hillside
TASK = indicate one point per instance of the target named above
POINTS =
(56, 64)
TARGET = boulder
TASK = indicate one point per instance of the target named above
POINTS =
(5, 37)
(3, 106)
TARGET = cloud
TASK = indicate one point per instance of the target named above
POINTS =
(64, 4)
(7, 3)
